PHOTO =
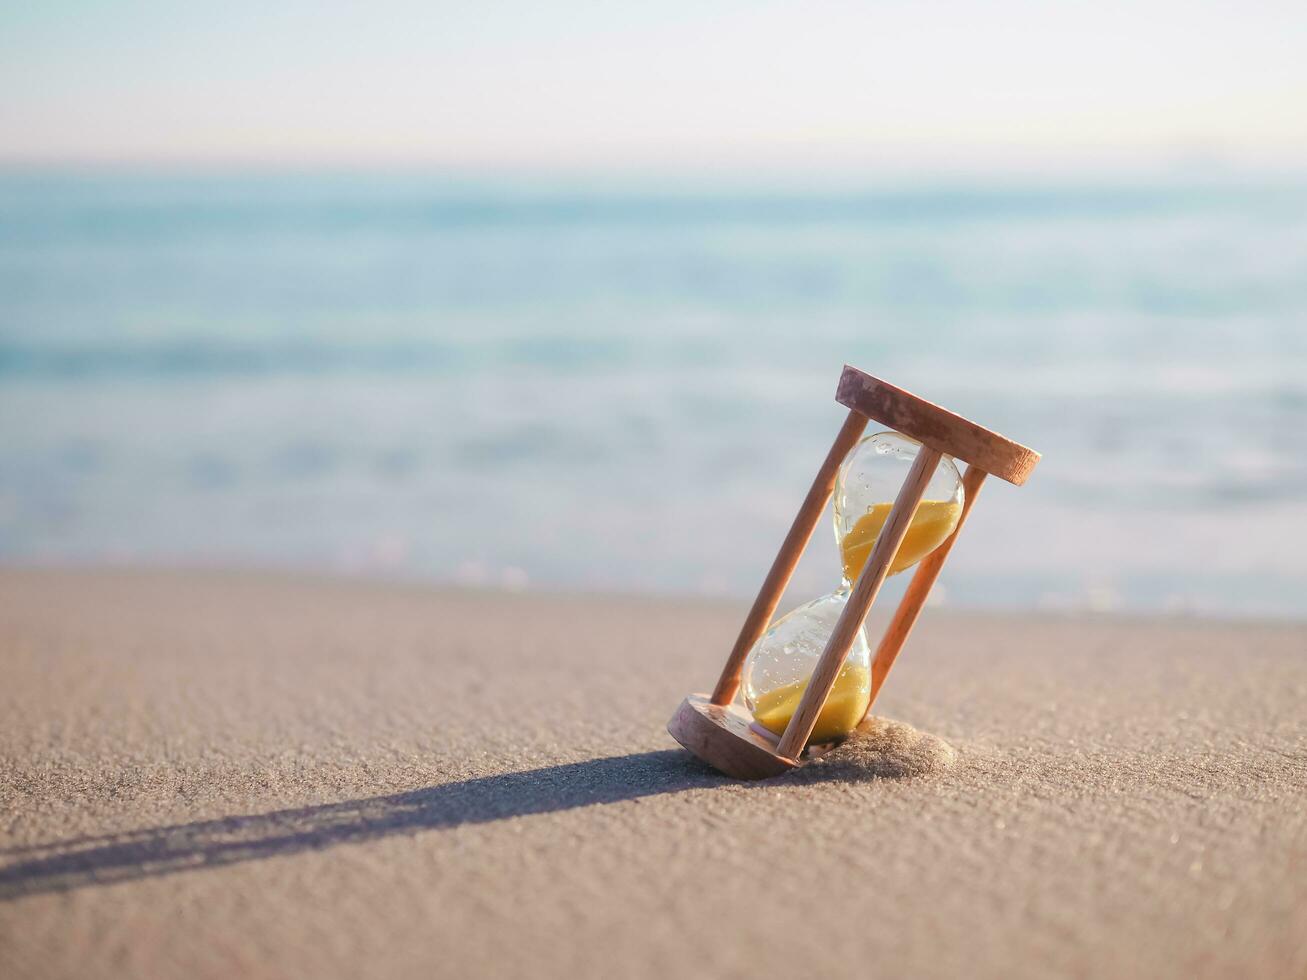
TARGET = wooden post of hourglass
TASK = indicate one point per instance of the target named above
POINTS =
(914, 599)
(855, 611)
(718, 730)
(782, 568)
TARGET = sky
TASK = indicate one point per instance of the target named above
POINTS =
(700, 85)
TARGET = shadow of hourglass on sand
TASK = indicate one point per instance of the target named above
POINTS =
(893, 751)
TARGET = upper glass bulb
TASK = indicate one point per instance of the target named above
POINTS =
(868, 482)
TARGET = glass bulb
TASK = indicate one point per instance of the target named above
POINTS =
(778, 668)
(868, 482)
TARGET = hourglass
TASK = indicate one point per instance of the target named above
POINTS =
(810, 678)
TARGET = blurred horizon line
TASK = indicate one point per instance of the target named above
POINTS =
(713, 176)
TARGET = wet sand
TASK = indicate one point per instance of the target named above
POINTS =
(213, 775)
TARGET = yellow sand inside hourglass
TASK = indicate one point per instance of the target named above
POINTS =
(933, 521)
(843, 710)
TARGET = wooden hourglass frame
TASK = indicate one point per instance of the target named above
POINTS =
(716, 729)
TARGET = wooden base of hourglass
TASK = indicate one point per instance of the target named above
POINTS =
(717, 730)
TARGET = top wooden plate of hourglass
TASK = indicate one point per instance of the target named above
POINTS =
(935, 427)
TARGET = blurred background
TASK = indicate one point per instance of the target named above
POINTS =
(556, 296)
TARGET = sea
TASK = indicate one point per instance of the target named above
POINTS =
(626, 387)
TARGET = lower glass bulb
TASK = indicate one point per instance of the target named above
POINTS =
(778, 668)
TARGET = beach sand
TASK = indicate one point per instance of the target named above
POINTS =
(218, 775)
